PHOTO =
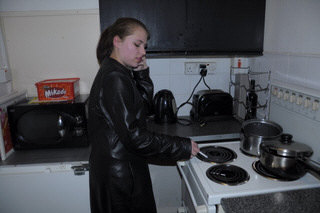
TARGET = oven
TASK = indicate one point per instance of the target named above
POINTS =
(244, 176)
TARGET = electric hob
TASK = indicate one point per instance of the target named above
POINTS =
(201, 191)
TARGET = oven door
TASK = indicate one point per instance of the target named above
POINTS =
(193, 200)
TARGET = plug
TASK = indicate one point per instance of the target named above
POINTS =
(203, 70)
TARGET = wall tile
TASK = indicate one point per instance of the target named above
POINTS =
(185, 109)
(298, 66)
(177, 66)
(159, 66)
(279, 67)
(160, 82)
(313, 73)
(180, 84)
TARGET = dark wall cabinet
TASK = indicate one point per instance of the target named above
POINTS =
(194, 27)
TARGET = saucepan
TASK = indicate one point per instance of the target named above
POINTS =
(286, 158)
(255, 131)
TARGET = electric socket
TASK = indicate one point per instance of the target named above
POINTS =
(193, 68)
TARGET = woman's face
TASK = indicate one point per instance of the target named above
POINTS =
(130, 50)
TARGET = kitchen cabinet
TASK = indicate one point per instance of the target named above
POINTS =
(190, 27)
(39, 188)
(48, 181)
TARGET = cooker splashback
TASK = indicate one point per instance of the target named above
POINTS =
(297, 111)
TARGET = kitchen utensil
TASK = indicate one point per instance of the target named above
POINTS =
(286, 158)
(165, 107)
(254, 132)
(203, 155)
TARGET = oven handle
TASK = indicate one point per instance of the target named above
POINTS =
(198, 208)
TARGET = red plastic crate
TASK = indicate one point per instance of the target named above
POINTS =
(58, 89)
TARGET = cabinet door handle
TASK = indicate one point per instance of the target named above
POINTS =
(60, 124)
(80, 170)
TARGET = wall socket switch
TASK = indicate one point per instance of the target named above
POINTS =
(194, 68)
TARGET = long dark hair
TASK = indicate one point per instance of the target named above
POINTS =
(122, 27)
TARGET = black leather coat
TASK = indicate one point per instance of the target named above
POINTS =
(121, 144)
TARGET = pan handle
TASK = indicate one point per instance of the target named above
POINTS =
(309, 166)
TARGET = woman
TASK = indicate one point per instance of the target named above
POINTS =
(120, 98)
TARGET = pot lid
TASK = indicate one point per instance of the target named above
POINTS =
(286, 147)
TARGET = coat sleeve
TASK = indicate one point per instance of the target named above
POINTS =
(145, 87)
(117, 100)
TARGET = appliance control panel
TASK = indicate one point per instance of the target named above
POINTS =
(298, 102)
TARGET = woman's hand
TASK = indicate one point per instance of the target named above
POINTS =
(142, 65)
(195, 148)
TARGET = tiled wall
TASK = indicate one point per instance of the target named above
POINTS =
(301, 71)
(169, 74)
(296, 71)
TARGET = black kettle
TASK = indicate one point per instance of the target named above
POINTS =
(164, 107)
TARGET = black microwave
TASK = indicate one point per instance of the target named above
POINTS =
(49, 125)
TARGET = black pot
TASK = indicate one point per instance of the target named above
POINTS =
(165, 107)
(286, 158)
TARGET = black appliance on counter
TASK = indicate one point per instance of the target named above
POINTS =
(49, 125)
(165, 108)
(211, 105)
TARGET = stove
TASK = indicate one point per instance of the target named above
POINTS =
(201, 191)
(217, 154)
(227, 174)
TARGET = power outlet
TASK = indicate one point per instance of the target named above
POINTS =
(193, 68)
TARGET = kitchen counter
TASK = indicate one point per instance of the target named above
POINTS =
(213, 130)
(40, 156)
(218, 130)
(297, 201)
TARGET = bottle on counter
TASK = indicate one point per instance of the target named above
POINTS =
(251, 102)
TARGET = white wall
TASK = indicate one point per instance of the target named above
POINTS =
(292, 52)
(55, 44)
(33, 5)
(47, 39)
(292, 44)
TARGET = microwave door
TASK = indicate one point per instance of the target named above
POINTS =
(41, 128)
